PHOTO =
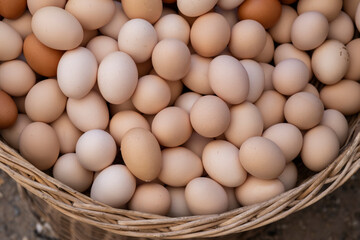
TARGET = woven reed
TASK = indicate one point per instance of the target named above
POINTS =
(75, 216)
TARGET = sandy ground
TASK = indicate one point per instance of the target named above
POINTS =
(336, 217)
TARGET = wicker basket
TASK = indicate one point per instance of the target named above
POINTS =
(73, 215)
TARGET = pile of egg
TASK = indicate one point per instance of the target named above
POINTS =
(178, 107)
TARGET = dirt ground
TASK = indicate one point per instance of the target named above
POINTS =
(336, 217)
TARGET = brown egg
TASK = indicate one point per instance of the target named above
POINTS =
(178, 206)
(179, 166)
(115, 108)
(187, 100)
(343, 96)
(197, 143)
(171, 126)
(12, 134)
(176, 88)
(195, 8)
(11, 42)
(256, 79)
(289, 176)
(337, 122)
(321, 147)
(150, 10)
(173, 26)
(311, 89)
(210, 116)
(267, 54)
(329, 8)
(256, 190)
(12, 9)
(266, 12)
(341, 28)
(151, 198)
(112, 28)
(268, 70)
(88, 35)
(22, 24)
(206, 41)
(8, 110)
(42, 59)
(141, 153)
(271, 106)
(230, 15)
(35, 5)
(350, 7)
(101, 46)
(281, 31)
(39, 145)
(353, 71)
(246, 122)
(67, 133)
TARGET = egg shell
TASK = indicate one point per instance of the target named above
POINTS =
(330, 62)
(22, 24)
(171, 126)
(144, 68)
(256, 190)
(321, 147)
(187, 100)
(8, 110)
(206, 108)
(16, 78)
(76, 72)
(289, 176)
(112, 28)
(176, 88)
(178, 205)
(45, 102)
(45, 26)
(350, 6)
(281, 31)
(287, 137)
(246, 122)
(304, 110)
(115, 108)
(92, 14)
(150, 10)
(343, 96)
(141, 153)
(268, 69)
(171, 59)
(117, 77)
(209, 42)
(179, 166)
(12, 133)
(221, 162)
(337, 122)
(341, 28)
(101, 46)
(151, 198)
(197, 78)
(229, 4)
(137, 37)
(329, 8)
(311, 89)
(88, 35)
(229, 79)
(197, 143)
(205, 196)
(34, 5)
(39, 145)
(353, 71)
(233, 202)
(12, 9)
(67, 133)
(68, 170)
(151, 95)
(248, 39)
(11, 42)
(114, 186)
(173, 26)
(195, 8)
(230, 15)
(256, 79)
(88, 113)
(267, 54)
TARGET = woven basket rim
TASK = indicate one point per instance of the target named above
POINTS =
(137, 224)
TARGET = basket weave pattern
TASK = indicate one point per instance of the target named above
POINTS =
(74, 215)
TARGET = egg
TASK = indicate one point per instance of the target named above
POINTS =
(176, 88)
(229, 79)
(206, 41)
(195, 8)
(45, 26)
(34, 5)
(251, 45)
(197, 78)
(45, 102)
(144, 68)
(353, 71)
(205, 196)
(151, 95)
(12, 8)
(289, 176)
(178, 206)
(76, 72)
(262, 158)
(343, 96)
(350, 6)
(96, 150)
(256, 79)
(173, 26)
(137, 37)
(246, 122)
(287, 137)
(281, 31)
(8, 112)
(221, 162)
(290, 76)
(115, 108)
(11, 42)
(67, 133)
(117, 77)
(230, 15)
(93, 106)
(101, 46)
(268, 69)
(88, 35)
(330, 62)
(187, 100)
(22, 24)
(229, 4)
(119, 18)
(330, 9)
(179, 166)
(271, 106)
(16, 78)
(256, 190)
(321, 147)
(337, 122)
(68, 170)
(114, 186)
(197, 143)
(311, 89)
(171, 126)
(304, 110)
(267, 54)
(171, 59)
(12, 134)
(141, 153)
(150, 10)
(151, 198)
(206, 108)
(20, 103)
(39, 145)
(92, 14)
(341, 28)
